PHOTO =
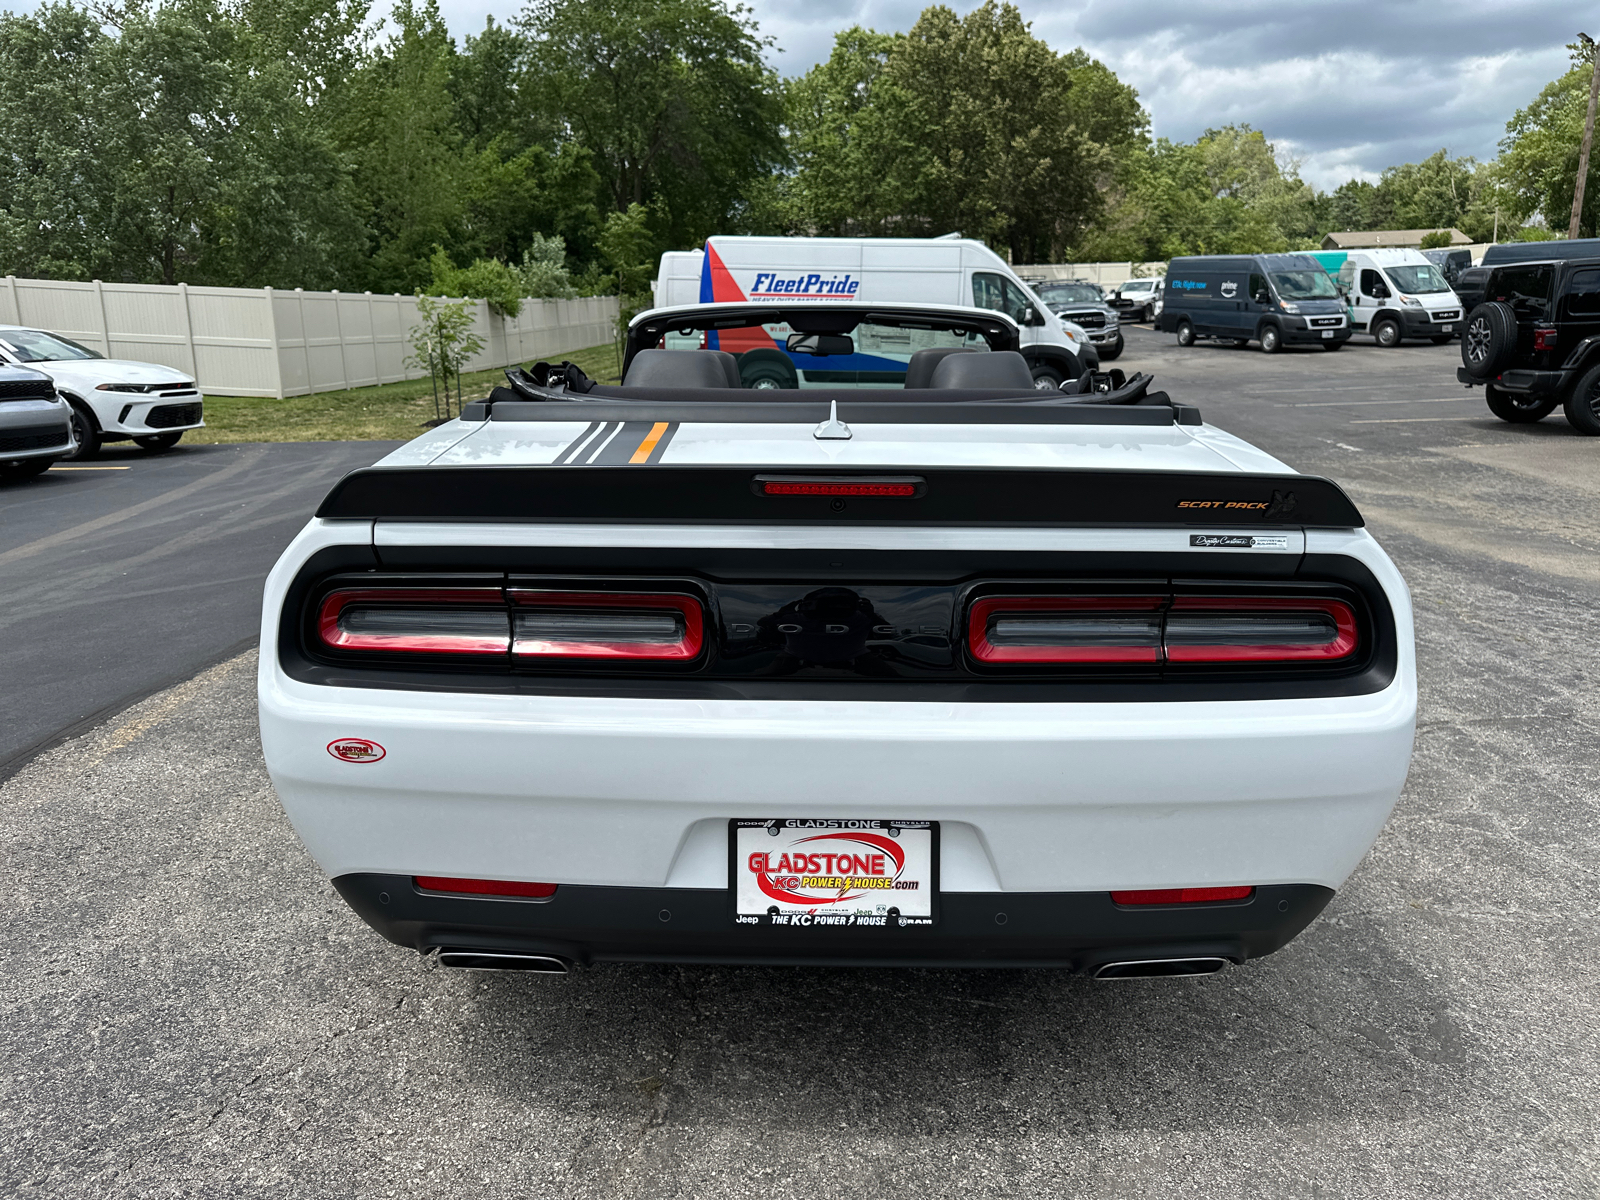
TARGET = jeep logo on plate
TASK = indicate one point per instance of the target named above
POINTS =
(356, 750)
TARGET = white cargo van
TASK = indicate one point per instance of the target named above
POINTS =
(945, 270)
(1395, 294)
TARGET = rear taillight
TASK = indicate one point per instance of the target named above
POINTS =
(416, 620)
(1161, 629)
(1066, 629)
(605, 625)
(1544, 339)
(1259, 629)
(485, 887)
(1191, 895)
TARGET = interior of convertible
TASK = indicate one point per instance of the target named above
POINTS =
(825, 352)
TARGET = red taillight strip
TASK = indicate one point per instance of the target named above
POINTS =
(484, 887)
(334, 604)
(903, 487)
(1342, 645)
(986, 651)
(685, 647)
(839, 489)
(1191, 895)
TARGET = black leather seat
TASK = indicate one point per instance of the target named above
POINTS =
(682, 369)
(1001, 369)
(919, 371)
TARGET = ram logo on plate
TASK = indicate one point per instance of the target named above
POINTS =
(356, 750)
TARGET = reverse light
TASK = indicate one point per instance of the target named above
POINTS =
(1066, 629)
(1193, 895)
(606, 625)
(416, 620)
(484, 887)
(1259, 629)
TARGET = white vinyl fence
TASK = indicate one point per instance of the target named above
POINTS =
(263, 342)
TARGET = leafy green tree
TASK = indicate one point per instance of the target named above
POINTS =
(54, 197)
(401, 136)
(1439, 239)
(543, 271)
(671, 98)
(1539, 155)
(442, 342)
(836, 138)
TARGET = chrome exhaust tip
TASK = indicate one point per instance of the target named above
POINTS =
(499, 960)
(1152, 968)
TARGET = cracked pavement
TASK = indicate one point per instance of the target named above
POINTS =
(189, 1009)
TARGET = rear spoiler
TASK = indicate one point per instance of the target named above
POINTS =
(726, 495)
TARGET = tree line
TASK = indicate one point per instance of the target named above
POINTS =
(300, 143)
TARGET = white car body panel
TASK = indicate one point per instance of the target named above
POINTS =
(1049, 796)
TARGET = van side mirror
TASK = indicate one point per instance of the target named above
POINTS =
(1263, 298)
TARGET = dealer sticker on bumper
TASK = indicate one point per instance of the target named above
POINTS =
(819, 873)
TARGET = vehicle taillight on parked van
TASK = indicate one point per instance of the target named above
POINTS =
(416, 620)
(605, 625)
(1161, 629)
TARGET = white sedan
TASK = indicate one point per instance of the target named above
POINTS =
(957, 674)
(112, 400)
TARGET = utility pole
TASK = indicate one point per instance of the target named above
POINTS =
(1588, 135)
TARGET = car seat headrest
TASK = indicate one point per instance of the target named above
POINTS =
(680, 369)
(997, 369)
(919, 371)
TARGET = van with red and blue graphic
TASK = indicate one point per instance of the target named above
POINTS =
(947, 270)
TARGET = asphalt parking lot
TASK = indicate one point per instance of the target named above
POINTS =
(130, 573)
(190, 1010)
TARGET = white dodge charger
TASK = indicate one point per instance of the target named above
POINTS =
(937, 671)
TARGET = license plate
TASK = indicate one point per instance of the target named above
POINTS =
(1327, 333)
(817, 873)
(1446, 328)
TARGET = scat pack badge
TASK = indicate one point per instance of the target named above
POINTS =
(356, 750)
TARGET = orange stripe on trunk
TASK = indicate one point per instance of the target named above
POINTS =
(642, 454)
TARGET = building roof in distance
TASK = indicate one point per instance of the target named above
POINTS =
(1388, 239)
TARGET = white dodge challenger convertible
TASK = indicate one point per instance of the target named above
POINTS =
(937, 670)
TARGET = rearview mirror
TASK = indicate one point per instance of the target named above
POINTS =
(819, 344)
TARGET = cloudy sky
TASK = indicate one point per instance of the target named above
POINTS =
(1349, 89)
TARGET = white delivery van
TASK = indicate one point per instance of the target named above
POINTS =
(947, 270)
(1395, 294)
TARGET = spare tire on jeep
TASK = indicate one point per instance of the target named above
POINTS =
(1489, 340)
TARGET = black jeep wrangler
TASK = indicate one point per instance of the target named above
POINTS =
(1534, 342)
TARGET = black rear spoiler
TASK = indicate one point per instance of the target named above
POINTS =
(725, 495)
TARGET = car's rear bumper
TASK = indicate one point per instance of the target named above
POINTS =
(1076, 930)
